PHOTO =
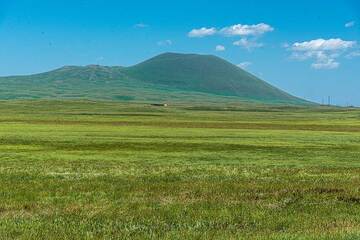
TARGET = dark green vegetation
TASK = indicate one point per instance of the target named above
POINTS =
(168, 77)
(84, 170)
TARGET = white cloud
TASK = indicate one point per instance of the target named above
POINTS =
(323, 45)
(234, 30)
(353, 54)
(244, 65)
(247, 30)
(202, 32)
(318, 55)
(350, 24)
(220, 48)
(165, 43)
(323, 52)
(141, 25)
(326, 64)
(249, 34)
(248, 44)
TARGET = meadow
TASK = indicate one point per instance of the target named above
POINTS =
(107, 170)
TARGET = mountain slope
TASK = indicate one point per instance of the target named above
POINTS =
(208, 74)
(170, 77)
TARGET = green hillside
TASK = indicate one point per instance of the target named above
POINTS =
(167, 77)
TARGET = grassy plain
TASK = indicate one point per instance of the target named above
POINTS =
(86, 170)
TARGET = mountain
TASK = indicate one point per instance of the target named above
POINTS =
(167, 77)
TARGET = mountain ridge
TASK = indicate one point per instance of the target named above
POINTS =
(173, 72)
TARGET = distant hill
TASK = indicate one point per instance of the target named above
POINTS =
(167, 77)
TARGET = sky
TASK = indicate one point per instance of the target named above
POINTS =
(310, 49)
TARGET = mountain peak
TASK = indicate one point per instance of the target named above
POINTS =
(182, 55)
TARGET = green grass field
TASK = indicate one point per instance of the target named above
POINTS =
(86, 170)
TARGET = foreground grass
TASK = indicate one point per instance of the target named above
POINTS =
(82, 170)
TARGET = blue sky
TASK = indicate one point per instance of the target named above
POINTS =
(310, 49)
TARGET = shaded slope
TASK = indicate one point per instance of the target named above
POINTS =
(208, 74)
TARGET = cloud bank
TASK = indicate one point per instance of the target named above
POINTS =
(324, 52)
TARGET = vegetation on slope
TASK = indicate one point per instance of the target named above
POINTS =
(168, 77)
(208, 74)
